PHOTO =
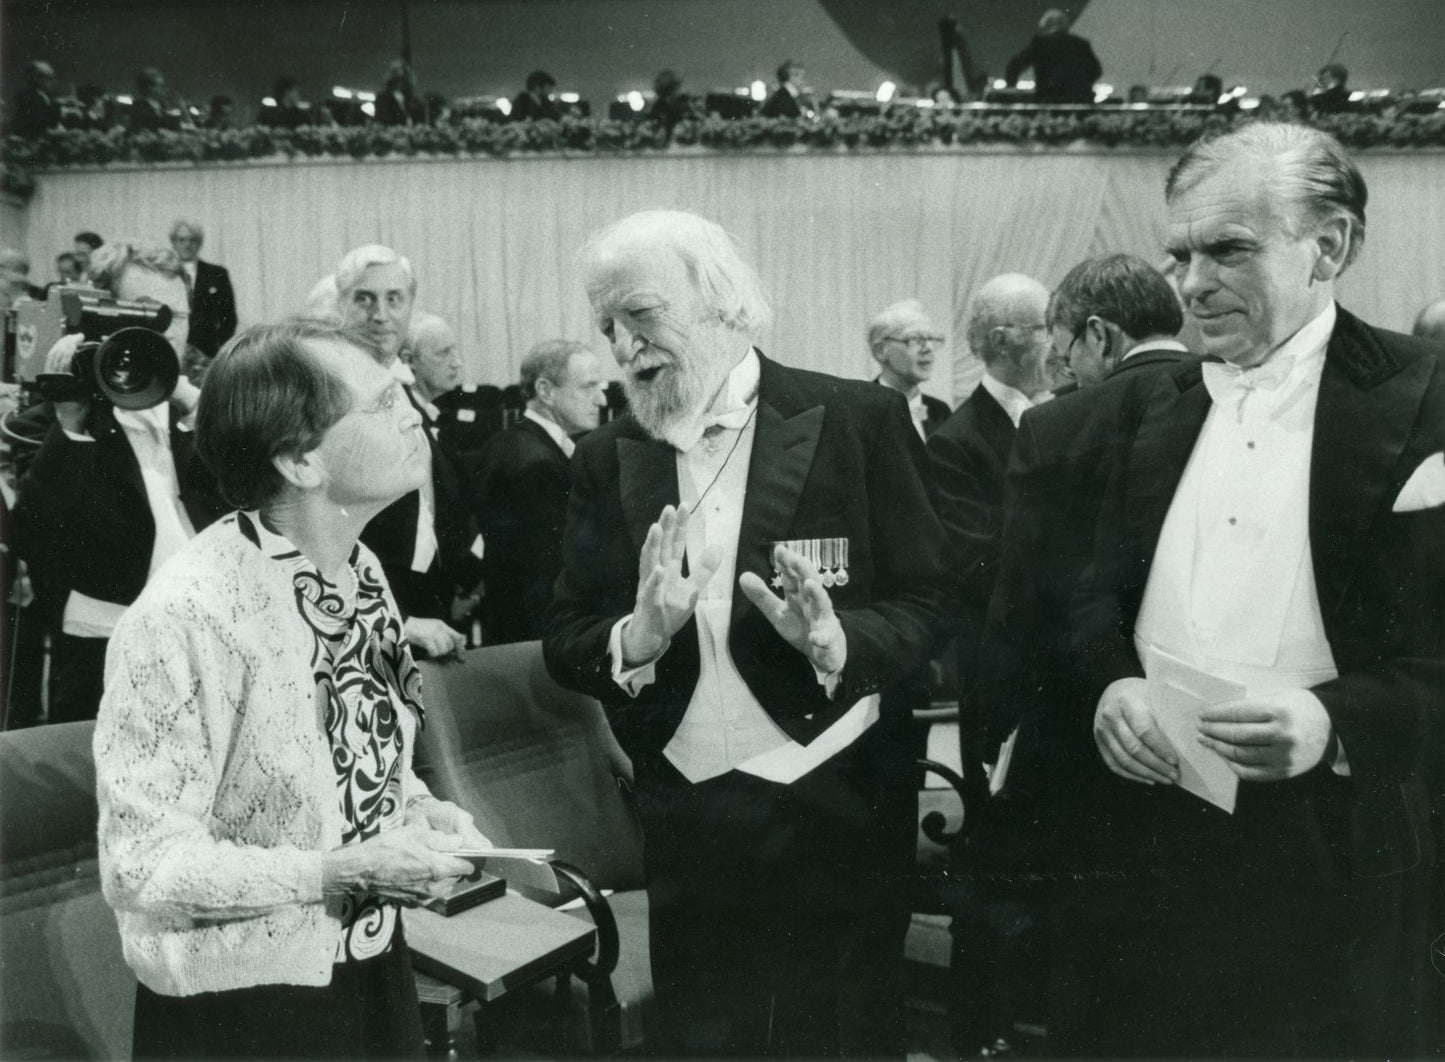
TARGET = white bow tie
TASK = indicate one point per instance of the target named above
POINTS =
(1230, 386)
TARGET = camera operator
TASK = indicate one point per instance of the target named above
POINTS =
(111, 494)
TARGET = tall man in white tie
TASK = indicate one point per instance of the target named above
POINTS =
(750, 560)
(1275, 520)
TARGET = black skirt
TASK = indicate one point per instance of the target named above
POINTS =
(369, 1011)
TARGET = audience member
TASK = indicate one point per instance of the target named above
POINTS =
(1208, 91)
(213, 303)
(67, 268)
(1112, 312)
(1261, 549)
(151, 108)
(431, 354)
(1431, 322)
(15, 276)
(523, 485)
(1331, 94)
(260, 822)
(396, 103)
(111, 495)
(779, 809)
(670, 105)
(323, 301)
(426, 541)
(536, 101)
(903, 339)
(35, 109)
(95, 112)
(1008, 332)
(1065, 66)
(222, 112)
(83, 246)
(787, 100)
(291, 111)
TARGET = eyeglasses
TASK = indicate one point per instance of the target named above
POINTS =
(385, 404)
(919, 339)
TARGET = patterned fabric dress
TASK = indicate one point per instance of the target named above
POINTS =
(364, 676)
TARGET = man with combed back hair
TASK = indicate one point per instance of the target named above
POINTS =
(523, 485)
(1265, 603)
(751, 559)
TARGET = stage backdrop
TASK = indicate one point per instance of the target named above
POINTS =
(836, 237)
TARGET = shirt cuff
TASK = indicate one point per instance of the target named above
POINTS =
(1341, 766)
(75, 437)
(829, 679)
(631, 679)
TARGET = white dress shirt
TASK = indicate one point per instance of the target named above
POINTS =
(425, 550)
(724, 727)
(553, 430)
(1014, 402)
(917, 408)
(1155, 344)
(148, 431)
(1232, 590)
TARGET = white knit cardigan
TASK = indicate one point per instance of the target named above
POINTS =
(214, 777)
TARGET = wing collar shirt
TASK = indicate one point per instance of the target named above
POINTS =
(1232, 590)
(1014, 402)
(917, 408)
(553, 430)
(724, 727)
(1155, 344)
(425, 550)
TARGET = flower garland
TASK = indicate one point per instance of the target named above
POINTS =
(899, 128)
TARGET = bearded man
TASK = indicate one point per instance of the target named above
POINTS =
(751, 558)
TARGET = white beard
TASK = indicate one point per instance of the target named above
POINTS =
(667, 406)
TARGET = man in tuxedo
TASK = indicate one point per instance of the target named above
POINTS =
(787, 99)
(523, 486)
(1065, 66)
(213, 303)
(1007, 331)
(111, 495)
(1271, 547)
(751, 558)
(903, 341)
(427, 541)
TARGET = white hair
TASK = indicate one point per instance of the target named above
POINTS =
(887, 320)
(322, 300)
(182, 224)
(724, 280)
(357, 261)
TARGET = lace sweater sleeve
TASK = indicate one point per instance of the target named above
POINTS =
(162, 752)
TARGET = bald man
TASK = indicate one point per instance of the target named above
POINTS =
(1431, 322)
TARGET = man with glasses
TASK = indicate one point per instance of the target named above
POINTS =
(904, 342)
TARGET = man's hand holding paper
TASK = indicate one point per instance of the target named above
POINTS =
(1129, 737)
(1268, 737)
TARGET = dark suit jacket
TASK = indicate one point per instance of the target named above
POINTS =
(391, 535)
(969, 456)
(781, 104)
(1054, 489)
(521, 498)
(831, 458)
(83, 521)
(938, 411)
(527, 108)
(390, 111)
(1380, 577)
(213, 309)
(1065, 68)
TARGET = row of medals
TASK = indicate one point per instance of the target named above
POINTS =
(828, 555)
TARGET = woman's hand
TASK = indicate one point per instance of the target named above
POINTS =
(408, 864)
(446, 817)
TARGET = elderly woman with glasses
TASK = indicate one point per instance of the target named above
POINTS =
(260, 824)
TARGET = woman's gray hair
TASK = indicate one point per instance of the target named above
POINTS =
(359, 260)
(727, 284)
(108, 263)
(268, 395)
(1308, 168)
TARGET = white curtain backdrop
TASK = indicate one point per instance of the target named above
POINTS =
(836, 237)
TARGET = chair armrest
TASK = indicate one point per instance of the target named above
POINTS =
(934, 825)
(598, 970)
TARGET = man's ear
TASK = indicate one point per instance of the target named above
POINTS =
(1333, 242)
(302, 471)
(1097, 329)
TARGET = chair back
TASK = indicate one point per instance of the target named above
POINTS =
(65, 990)
(535, 764)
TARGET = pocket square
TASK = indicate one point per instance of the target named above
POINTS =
(1425, 488)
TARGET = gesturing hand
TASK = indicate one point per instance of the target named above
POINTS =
(665, 597)
(804, 617)
(1129, 739)
(1268, 738)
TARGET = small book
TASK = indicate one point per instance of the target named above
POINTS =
(466, 893)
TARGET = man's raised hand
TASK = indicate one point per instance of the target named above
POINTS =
(804, 616)
(665, 597)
